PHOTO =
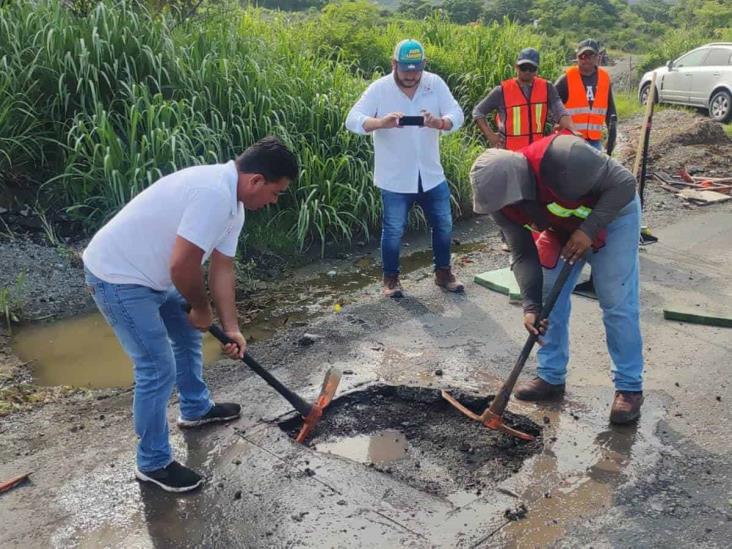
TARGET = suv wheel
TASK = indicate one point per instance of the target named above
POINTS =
(720, 106)
(643, 95)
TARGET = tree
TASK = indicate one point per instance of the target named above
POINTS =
(463, 11)
(515, 10)
(416, 9)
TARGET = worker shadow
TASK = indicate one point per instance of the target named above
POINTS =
(616, 449)
(167, 516)
(468, 328)
(181, 520)
(473, 321)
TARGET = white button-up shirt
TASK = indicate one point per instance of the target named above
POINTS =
(404, 154)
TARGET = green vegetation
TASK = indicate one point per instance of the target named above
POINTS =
(99, 99)
(117, 96)
(11, 302)
(658, 27)
(627, 104)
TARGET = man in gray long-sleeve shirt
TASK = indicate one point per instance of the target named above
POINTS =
(579, 204)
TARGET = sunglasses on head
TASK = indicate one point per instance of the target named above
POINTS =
(527, 67)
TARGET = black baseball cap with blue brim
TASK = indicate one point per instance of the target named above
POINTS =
(409, 55)
(528, 55)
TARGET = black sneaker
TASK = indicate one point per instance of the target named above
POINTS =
(218, 412)
(173, 478)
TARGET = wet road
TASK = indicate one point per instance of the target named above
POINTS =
(666, 481)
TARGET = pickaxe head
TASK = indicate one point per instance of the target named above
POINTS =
(330, 385)
(488, 418)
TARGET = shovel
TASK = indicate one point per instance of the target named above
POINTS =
(310, 414)
(492, 417)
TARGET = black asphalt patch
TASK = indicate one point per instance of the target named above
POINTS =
(445, 453)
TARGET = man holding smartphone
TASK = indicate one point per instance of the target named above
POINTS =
(407, 110)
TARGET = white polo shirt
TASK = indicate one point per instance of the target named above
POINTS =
(403, 154)
(197, 203)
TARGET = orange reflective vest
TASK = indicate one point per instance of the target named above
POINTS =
(525, 120)
(589, 121)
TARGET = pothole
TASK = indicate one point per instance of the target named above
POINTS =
(413, 434)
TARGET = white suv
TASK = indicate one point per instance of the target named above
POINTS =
(699, 78)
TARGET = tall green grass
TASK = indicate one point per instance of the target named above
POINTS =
(95, 106)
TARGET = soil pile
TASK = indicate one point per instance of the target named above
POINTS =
(680, 139)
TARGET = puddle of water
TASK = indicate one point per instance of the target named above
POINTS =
(578, 474)
(380, 447)
(82, 352)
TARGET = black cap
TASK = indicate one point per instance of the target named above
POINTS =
(588, 45)
(528, 55)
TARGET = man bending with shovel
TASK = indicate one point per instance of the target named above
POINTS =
(144, 266)
(561, 200)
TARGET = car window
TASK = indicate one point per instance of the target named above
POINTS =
(719, 57)
(692, 59)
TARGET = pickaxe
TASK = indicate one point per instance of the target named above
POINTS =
(492, 417)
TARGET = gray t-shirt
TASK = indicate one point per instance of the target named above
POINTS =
(572, 169)
(494, 102)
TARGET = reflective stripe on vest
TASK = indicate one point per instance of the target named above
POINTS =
(525, 118)
(582, 212)
(589, 121)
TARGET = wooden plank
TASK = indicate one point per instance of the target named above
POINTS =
(704, 197)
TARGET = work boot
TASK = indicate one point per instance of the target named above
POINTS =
(537, 389)
(172, 478)
(626, 407)
(392, 287)
(218, 412)
(445, 279)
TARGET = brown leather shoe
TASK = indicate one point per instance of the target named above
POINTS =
(445, 279)
(537, 389)
(392, 287)
(626, 407)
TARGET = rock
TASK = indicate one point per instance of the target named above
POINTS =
(438, 372)
(516, 513)
(547, 421)
(341, 502)
(237, 494)
(237, 462)
(348, 372)
(309, 472)
(332, 273)
(308, 339)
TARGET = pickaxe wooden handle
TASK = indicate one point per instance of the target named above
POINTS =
(498, 405)
(297, 402)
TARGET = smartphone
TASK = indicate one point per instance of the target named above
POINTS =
(411, 121)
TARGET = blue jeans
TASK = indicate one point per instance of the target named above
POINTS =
(436, 206)
(165, 350)
(616, 278)
(594, 143)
